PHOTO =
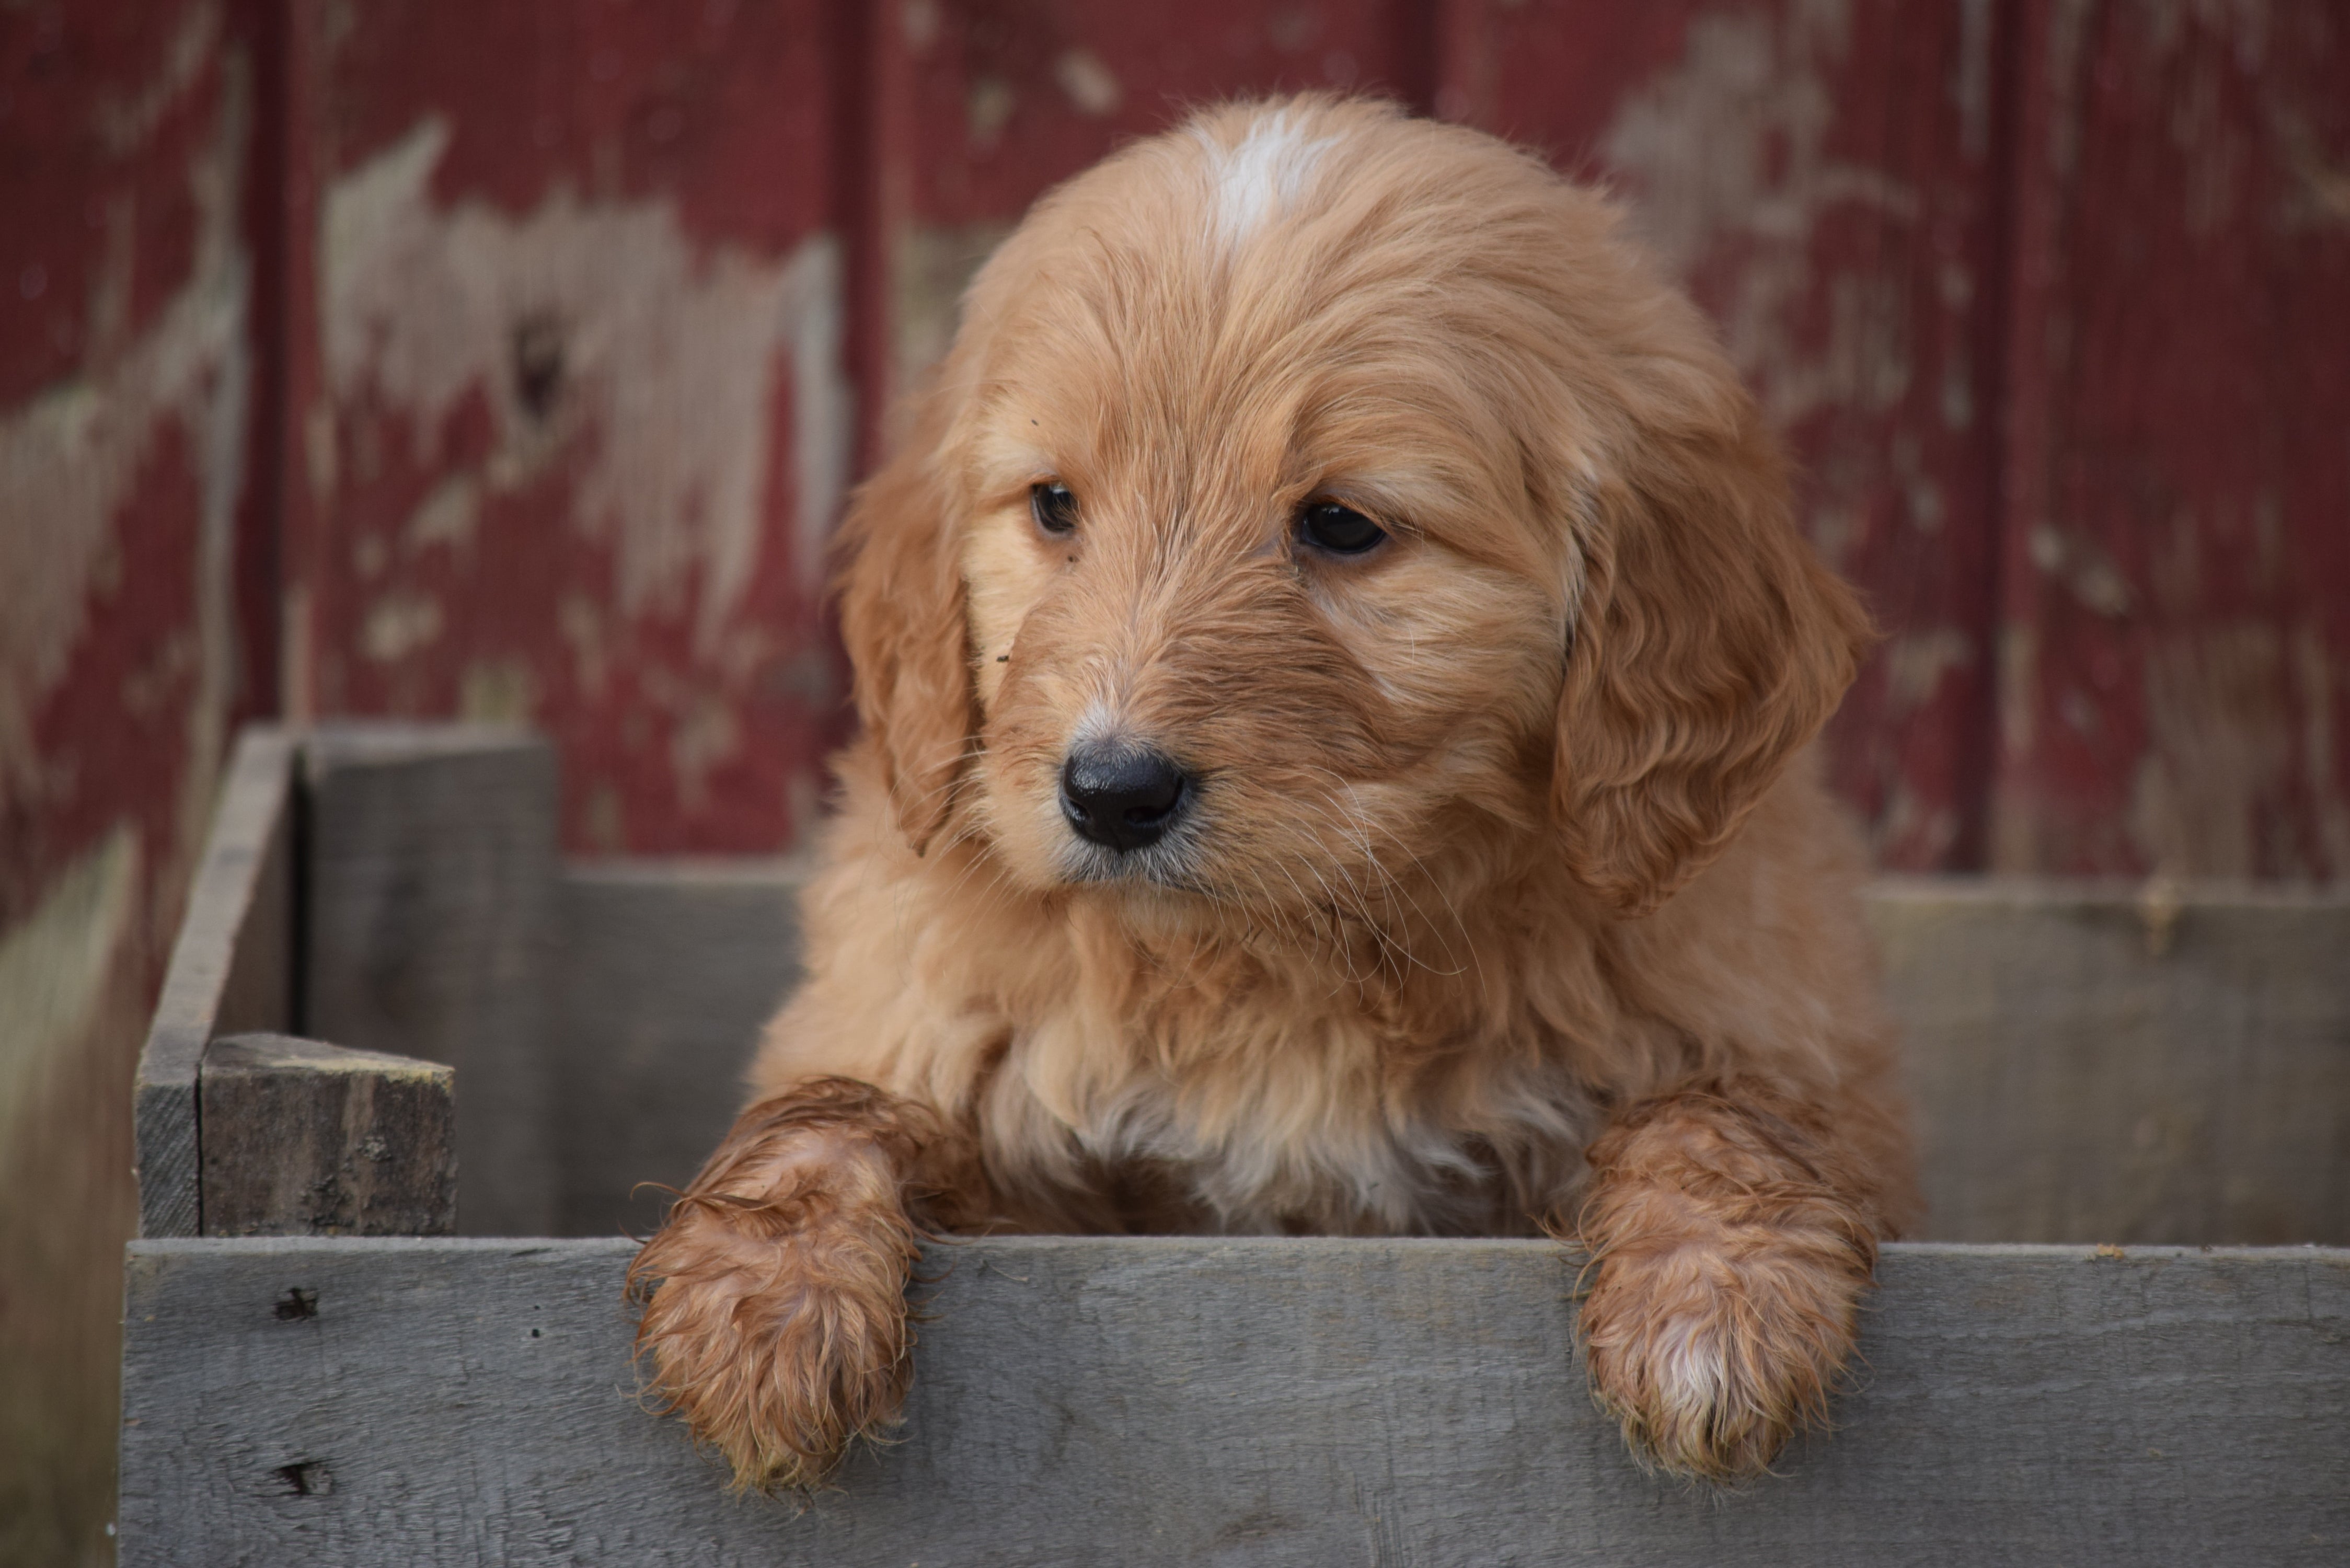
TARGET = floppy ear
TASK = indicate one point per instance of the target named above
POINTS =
(1711, 644)
(903, 621)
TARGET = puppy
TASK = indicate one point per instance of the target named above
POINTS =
(1333, 660)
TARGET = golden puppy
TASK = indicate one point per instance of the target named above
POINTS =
(1330, 657)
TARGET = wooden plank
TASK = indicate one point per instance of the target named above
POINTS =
(431, 898)
(231, 969)
(306, 1138)
(1268, 1401)
(574, 412)
(665, 972)
(2118, 1063)
(2175, 593)
(2087, 1064)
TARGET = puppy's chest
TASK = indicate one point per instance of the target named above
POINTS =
(1325, 1136)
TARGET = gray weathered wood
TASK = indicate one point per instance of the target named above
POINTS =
(1307, 1402)
(231, 969)
(666, 970)
(304, 1139)
(2128, 1064)
(429, 888)
(2072, 1082)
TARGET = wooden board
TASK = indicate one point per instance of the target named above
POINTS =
(2175, 657)
(1244, 1402)
(567, 373)
(429, 889)
(665, 971)
(230, 970)
(303, 1138)
(2103, 1063)
(2086, 1064)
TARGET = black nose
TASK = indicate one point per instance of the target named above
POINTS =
(1124, 796)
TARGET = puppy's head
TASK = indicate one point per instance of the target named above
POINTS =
(1313, 492)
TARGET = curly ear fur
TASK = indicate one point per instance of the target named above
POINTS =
(1711, 645)
(902, 618)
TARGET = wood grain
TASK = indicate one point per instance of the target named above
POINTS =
(1275, 1401)
(665, 972)
(2087, 1064)
(304, 1139)
(2111, 1063)
(429, 888)
(2176, 570)
(232, 967)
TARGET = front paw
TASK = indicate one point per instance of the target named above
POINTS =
(777, 1335)
(1712, 1362)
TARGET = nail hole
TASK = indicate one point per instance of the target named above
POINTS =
(538, 364)
(307, 1478)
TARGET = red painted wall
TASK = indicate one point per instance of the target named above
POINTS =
(1913, 222)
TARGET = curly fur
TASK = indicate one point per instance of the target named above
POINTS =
(1505, 905)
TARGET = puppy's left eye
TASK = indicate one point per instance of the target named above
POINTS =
(1055, 509)
(1341, 530)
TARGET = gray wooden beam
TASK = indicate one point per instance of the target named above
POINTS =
(232, 967)
(431, 893)
(2094, 1062)
(306, 1138)
(1270, 1402)
(666, 970)
(2086, 1064)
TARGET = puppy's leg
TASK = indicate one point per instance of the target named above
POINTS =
(774, 1312)
(1734, 1234)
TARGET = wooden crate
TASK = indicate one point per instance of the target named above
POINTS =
(2117, 1088)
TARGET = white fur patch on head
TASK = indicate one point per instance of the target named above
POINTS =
(1263, 175)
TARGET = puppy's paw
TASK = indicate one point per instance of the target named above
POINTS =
(778, 1331)
(1712, 1363)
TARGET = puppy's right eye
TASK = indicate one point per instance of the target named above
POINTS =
(1055, 510)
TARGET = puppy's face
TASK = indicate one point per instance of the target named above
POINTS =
(1241, 620)
(1302, 494)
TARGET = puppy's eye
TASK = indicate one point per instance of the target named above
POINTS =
(1341, 530)
(1055, 509)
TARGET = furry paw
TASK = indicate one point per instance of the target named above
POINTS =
(777, 1330)
(1712, 1363)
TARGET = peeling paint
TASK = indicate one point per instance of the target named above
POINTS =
(122, 122)
(71, 458)
(1731, 143)
(1916, 664)
(498, 691)
(2222, 743)
(398, 625)
(601, 323)
(1092, 86)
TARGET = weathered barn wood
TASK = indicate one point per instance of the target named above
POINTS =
(303, 1138)
(2126, 1064)
(2175, 663)
(1307, 1402)
(232, 969)
(2088, 1063)
(571, 382)
(430, 893)
(665, 971)
(416, 1401)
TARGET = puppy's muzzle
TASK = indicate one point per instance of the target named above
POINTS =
(1121, 796)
